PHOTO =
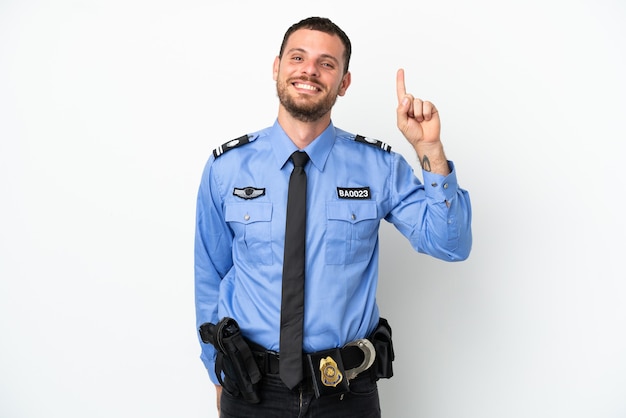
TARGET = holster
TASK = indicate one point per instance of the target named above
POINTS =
(234, 358)
(381, 339)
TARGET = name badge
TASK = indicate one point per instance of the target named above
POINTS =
(361, 193)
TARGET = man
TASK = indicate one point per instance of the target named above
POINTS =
(352, 182)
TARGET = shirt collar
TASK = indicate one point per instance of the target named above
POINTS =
(318, 150)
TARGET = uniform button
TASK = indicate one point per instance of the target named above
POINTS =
(434, 184)
(445, 186)
(246, 218)
(353, 217)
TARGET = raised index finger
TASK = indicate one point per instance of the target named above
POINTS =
(400, 87)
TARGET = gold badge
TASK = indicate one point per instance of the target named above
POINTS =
(331, 376)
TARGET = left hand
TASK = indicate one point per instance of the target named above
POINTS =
(418, 120)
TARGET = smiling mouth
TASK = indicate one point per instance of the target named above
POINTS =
(305, 86)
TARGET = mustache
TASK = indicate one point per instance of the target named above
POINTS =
(304, 78)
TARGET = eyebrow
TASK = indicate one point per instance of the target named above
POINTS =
(326, 56)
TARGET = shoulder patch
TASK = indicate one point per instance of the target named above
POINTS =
(232, 144)
(373, 142)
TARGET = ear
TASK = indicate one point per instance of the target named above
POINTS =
(345, 83)
(276, 67)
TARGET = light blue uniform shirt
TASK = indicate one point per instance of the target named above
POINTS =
(240, 229)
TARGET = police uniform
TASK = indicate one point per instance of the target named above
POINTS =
(353, 183)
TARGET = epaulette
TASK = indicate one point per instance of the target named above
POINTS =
(232, 144)
(373, 142)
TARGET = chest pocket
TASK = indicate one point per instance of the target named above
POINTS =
(251, 224)
(351, 231)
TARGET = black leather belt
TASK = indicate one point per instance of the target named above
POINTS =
(268, 361)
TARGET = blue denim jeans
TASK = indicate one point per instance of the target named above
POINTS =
(279, 401)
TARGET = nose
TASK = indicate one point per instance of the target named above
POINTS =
(310, 68)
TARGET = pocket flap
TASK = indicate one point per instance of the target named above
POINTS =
(352, 212)
(248, 212)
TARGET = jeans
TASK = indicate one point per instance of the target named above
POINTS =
(279, 401)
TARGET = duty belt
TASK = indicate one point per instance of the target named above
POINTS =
(356, 357)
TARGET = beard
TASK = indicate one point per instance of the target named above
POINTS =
(304, 110)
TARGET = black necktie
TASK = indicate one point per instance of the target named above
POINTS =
(292, 309)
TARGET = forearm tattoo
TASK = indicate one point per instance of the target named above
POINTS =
(425, 163)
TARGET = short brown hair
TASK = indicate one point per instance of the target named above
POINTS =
(325, 25)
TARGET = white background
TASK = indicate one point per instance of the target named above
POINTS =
(109, 110)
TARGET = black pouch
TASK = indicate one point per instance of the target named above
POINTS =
(328, 375)
(381, 339)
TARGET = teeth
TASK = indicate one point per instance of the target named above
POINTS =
(306, 87)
